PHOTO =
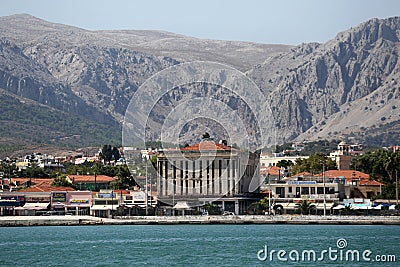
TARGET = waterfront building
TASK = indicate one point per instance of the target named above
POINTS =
(335, 186)
(357, 184)
(285, 194)
(105, 203)
(91, 182)
(208, 172)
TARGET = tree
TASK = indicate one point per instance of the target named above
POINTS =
(109, 153)
(61, 180)
(212, 209)
(392, 164)
(373, 163)
(284, 163)
(347, 210)
(259, 207)
(34, 171)
(153, 161)
(380, 164)
(316, 163)
(125, 179)
(304, 206)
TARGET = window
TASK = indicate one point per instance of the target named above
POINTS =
(290, 189)
(305, 190)
(280, 191)
(320, 190)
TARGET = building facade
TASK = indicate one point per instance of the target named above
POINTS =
(206, 172)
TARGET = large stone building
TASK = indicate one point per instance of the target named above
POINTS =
(208, 172)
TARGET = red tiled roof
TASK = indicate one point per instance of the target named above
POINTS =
(273, 170)
(348, 174)
(371, 183)
(121, 191)
(207, 145)
(46, 189)
(42, 185)
(90, 178)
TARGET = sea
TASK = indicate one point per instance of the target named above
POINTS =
(201, 245)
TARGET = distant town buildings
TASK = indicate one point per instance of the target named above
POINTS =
(207, 173)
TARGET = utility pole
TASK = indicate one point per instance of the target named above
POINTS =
(147, 193)
(112, 203)
(269, 195)
(323, 180)
(397, 191)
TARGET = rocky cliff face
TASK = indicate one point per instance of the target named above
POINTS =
(320, 90)
(344, 86)
(94, 74)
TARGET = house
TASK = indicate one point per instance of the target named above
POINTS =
(37, 185)
(286, 193)
(91, 182)
(72, 202)
(35, 196)
(357, 184)
(105, 203)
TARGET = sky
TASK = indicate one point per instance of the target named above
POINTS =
(273, 22)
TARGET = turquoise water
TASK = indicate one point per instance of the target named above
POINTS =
(188, 245)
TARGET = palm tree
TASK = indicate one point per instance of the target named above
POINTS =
(392, 163)
(347, 210)
(305, 206)
(391, 166)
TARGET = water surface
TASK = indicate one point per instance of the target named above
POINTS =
(188, 245)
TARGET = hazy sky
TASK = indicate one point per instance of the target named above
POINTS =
(279, 21)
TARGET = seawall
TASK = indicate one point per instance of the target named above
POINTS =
(171, 220)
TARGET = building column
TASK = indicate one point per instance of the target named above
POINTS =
(216, 178)
(237, 207)
(224, 177)
(166, 179)
(159, 178)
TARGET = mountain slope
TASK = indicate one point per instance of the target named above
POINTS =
(93, 74)
(345, 87)
(350, 81)
(24, 121)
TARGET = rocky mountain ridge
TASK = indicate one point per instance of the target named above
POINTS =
(322, 90)
(340, 88)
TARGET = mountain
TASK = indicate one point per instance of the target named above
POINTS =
(92, 75)
(67, 86)
(344, 87)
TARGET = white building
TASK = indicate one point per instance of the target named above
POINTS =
(268, 160)
(207, 173)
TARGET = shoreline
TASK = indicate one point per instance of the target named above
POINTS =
(26, 221)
